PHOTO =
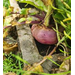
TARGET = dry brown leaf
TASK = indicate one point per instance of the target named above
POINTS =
(10, 73)
(11, 20)
(66, 65)
(14, 4)
(14, 22)
(4, 57)
(34, 68)
(46, 2)
(4, 11)
(9, 47)
(5, 34)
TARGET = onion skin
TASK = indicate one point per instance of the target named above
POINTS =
(44, 35)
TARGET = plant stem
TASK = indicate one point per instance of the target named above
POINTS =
(47, 17)
(48, 55)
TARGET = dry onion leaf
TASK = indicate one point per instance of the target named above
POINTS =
(9, 47)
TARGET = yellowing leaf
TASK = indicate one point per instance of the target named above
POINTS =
(7, 20)
(9, 73)
(67, 19)
(34, 68)
(66, 65)
(67, 35)
(4, 11)
(46, 2)
(9, 47)
(5, 33)
(22, 19)
(14, 22)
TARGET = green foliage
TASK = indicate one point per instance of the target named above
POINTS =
(53, 62)
(6, 3)
(22, 19)
(61, 4)
(24, 11)
(10, 64)
(19, 58)
(14, 63)
(37, 3)
(62, 11)
(62, 15)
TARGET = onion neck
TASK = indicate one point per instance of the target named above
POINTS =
(48, 14)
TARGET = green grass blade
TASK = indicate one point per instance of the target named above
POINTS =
(19, 58)
(53, 61)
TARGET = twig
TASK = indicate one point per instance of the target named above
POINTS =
(48, 55)
(47, 50)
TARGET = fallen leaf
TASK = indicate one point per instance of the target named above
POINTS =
(4, 11)
(66, 65)
(46, 2)
(9, 47)
(34, 68)
(5, 34)
(10, 73)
